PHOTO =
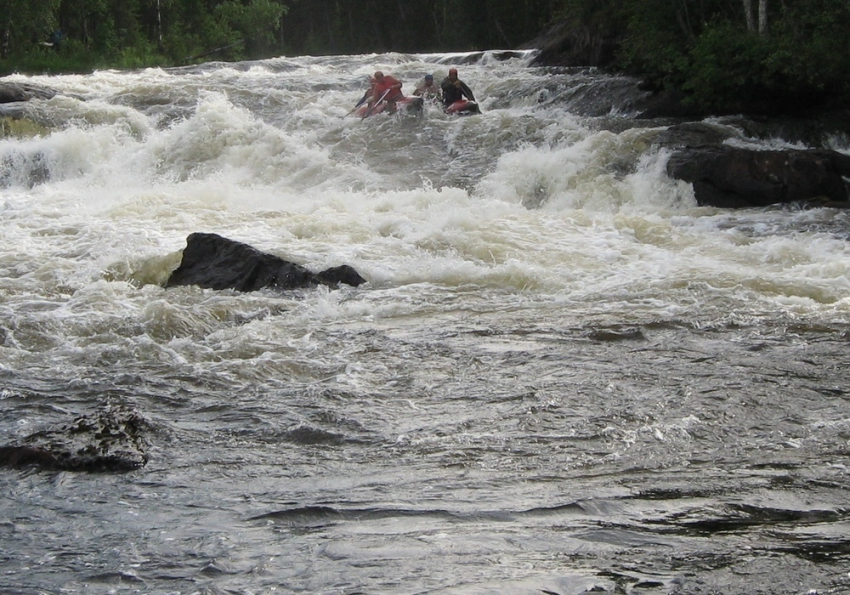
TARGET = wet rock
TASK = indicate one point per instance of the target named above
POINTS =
(17, 125)
(477, 57)
(823, 130)
(341, 274)
(214, 262)
(731, 177)
(112, 439)
(570, 44)
(665, 103)
(615, 334)
(692, 134)
(14, 92)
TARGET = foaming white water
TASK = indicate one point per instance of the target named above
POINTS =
(557, 353)
(525, 203)
(588, 175)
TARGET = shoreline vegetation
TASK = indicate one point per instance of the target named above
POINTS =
(762, 57)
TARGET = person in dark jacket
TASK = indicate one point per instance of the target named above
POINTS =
(455, 89)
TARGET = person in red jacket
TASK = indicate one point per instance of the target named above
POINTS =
(388, 89)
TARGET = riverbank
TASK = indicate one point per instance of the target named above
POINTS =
(797, 70)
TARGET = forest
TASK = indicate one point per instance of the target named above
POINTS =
(771, 55)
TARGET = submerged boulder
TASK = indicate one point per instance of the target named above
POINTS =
(214, 262)
(112, 439)
(13, 92)
(733, 177)
(692, 134)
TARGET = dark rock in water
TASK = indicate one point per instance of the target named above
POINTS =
(341, 274)
(692, 134)
(213, 262)
(110, 440)
(612, 334)
(731, 177)
(569, 44)
(476, 57)
(12, 92)
(665, 103)
(824, 129)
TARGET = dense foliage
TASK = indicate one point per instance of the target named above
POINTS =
(132, 33)
(759, 55)
(764, 54)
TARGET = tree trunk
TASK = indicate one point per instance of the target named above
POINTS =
(684, 24)
(159, 26)
(748, 13)
(763, 17)
(502, 33)
(7, 35)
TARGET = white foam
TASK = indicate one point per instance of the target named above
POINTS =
(524, 199)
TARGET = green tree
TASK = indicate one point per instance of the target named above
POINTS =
(26, 24)
(256, 23)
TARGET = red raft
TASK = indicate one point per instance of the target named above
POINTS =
(464, 107)
(405, 105)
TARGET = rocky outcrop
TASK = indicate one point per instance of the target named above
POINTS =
(573, 44)
(574, 40)
(14, 92)
(692, 134)
(213, 262)
(732, 177)
(112, 439)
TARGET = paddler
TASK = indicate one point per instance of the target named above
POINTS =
(366, 96)
(386, 89)
(428, 89)
(455, 89)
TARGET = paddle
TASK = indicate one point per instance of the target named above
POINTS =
(374, 105)
(361, 102)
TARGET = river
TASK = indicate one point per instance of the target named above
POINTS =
(562, 377)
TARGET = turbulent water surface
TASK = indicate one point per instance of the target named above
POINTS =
(561, 377)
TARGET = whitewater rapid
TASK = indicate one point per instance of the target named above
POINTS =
(561, 376)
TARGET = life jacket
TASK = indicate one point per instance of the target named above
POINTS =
(381, 88)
